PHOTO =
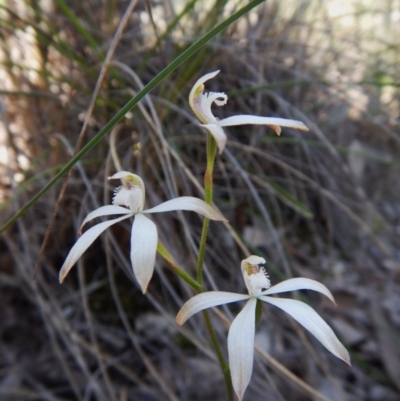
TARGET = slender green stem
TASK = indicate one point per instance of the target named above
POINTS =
(184, 276)
(202, 250)
(133, 102)
(208, 177)
(208, 187)
(174, 266)
(224, 366)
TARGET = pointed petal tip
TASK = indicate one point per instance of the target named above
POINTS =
(61, 277)
(276, 129)
(345, 357)
(179, 319)
(218, 134)
(299, 125)
(119, 174)
(144, 288)
(122, 174)
(210, 75)
(240, 395)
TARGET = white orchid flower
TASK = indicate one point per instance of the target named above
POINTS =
(201, 102)
(241, 332)
(144, 236)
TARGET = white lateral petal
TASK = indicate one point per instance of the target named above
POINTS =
(300, 283)
(83, 243)
(187, 203)
(218, 133)
(206, 300)
(104, 211)
(310, 320)
(241, 347)
(257, 120)
(143, 249)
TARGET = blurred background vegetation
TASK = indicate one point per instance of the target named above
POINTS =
(323, 204)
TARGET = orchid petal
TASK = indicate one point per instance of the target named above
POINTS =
(218, 133)
(83, 243)
(143, 249)
(187, 203)
(300, 283)
(257, 120)
(241, 347)
(206, 300)
(310, 320)
(104, 211)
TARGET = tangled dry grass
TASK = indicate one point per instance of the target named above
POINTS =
(323, 205)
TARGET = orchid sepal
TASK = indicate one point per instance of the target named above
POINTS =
(310, 320)
(83, 243)
(188, 203)
(241, 347)
(107, 210)
(299, 283)
(206, 300)
(144, 240)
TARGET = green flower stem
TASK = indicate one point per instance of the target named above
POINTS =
(208, 187)
(197, 287)
(133, 102)
(174, 266)
(224, 366)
